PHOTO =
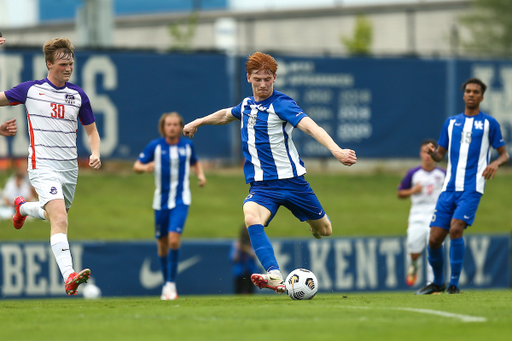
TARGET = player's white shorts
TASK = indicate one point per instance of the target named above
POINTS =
(417, 236)
(51, 185)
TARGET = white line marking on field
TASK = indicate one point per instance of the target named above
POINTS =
(463, 318)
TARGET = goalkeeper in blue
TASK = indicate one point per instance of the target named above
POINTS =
(272, 166)
(467, 139)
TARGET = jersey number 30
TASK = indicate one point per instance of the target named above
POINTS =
(57, 110)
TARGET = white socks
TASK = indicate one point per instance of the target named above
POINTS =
(32, 209)
(60, 247)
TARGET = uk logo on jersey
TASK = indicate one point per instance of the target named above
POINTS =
(479, 125)
(182, 151)
(70, 99)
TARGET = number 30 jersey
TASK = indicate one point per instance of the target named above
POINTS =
(52, 119)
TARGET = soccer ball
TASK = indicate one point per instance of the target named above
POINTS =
(301, 284)
(91, 291)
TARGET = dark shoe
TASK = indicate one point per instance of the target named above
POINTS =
(431, 289)
(452, 289)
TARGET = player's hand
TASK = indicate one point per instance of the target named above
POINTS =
(202, 181)
(149, 167)
(190, 129)
(418, 188)
(346, 156)
(8, 128)
(94, 162)
(490, 171)
(431, 148)
(2, 40)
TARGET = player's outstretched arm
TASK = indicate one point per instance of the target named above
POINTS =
(345, 156)
(8, 128)
(220, 117)
(94, 144)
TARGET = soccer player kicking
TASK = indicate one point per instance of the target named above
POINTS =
(272, 164)
(467, 138)
(53, 108)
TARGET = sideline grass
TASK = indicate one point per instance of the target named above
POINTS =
(117, 206)
(326, 317)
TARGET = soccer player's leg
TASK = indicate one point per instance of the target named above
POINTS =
(417, 233)
(256, 215)
(464, 215)
(161, 235)
(439, 228)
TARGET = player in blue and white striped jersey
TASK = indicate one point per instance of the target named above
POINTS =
(54, 107)
(272, 164)
(170, 158)
(467, 139)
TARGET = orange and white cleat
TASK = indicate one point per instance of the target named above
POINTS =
(75, 279)
(17, 219)
(269, 281)
(412, 275)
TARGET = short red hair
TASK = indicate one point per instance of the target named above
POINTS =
(260, 61)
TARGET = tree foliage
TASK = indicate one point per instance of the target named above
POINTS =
(360, 43)
(490, 25)
(184, 33)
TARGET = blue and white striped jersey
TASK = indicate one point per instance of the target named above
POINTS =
(172, 170)
(52, 118)
(468, 141)
(267, 145)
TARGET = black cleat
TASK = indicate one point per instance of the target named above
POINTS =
(431, 289)
(452, 289)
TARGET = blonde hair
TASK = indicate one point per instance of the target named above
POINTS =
(60, 47)
(161, 122)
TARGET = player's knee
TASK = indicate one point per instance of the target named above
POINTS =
(251, 219)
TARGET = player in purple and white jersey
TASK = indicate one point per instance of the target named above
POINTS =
(272, 164)
(467, 139)
(170, 158)
(422, 184)
(54, 107)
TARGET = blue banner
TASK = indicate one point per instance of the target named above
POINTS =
(340, 264)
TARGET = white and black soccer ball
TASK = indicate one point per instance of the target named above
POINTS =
(91, 291)
(301, 284)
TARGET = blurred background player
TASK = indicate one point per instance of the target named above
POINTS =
(467, 138)
(17, 185)
(273, 166)
(243, 258)
(422, 184)
(170, 159)
(54, 107)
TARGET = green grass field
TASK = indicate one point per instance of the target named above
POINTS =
(117, 206)
(398, 316)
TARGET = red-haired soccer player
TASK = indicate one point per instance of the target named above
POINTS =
(273, 166)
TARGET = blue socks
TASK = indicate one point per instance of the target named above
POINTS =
(456, 258)
(174, 257)
(164, 267)
(262, 247)
(436, 260)
(169, 265)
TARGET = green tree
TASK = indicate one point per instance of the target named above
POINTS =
(361, 42)
(183, 33)
(490, 25)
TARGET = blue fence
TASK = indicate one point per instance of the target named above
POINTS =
(382, 108)
(340, 264)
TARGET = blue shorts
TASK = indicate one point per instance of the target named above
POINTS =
(295, 194)
(170, 220)
(455, 205)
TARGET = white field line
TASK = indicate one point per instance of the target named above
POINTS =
(463, 318)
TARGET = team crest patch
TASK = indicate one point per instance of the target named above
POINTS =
(53, 190)
(70, 99)
(251, 122)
